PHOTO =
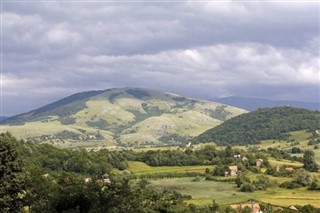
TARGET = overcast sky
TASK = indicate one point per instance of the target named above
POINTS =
(200, 49)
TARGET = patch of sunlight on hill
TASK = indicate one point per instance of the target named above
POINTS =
(151, 129)
(130, 104)
(35, 129)
(139, 139)
(191, 123)
(102, 109)
(163, 105)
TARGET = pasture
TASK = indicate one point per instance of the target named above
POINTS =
(140, 168)
(203, 192)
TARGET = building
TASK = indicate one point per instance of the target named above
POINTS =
(233, 170)
(239, 207)
(290, 169)
(259, 162)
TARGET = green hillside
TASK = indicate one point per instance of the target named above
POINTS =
(120, 117)
(262, 124)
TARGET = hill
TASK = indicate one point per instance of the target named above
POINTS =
(262, 124)
(252, 104)
(2, 118)
(122, 117)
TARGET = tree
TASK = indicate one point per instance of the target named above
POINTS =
(263, 182)
(308, 162)
(214, 207)
(241, 179)
(302, 178)
(11, 181)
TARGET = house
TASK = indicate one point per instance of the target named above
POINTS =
(244, 159)
(237, 156)
(45, 175)
(290, 169)
(278, 168)
(256, 207)
(226, 174)
(293, 208)
(92, 137)
(233, 170)
(259, 162)
(106, 180)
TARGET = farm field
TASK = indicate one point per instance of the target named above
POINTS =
(203, 192)
(142, 168)
(300, 136)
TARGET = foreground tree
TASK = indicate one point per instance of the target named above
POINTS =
(11, 181)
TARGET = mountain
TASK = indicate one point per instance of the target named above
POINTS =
(262, 124)
(120, 117)
(2, 118)
(252, 104)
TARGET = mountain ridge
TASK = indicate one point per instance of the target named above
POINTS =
(121, 116)
(252, 104)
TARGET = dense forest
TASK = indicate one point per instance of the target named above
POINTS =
(250, 128)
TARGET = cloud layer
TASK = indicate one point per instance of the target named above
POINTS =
(201, 49)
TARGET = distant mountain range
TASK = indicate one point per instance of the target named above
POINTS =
(123, 116)
(252, 104)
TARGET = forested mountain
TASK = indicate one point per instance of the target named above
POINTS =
(125, 116)
(262, 124)
(252, 104)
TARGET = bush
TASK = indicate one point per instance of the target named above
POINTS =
(246, 187)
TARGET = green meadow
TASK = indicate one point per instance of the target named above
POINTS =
(203, 192)
(139, 168)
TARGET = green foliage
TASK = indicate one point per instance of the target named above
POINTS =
(138, 93)
(179, 99)
(114, 95)
(101, 124)
(67, 135)
(263, 182)
(67, 120)
(262, 124)
(246, 187)
(308, 161)
(11, 179)
(173, 138)
(219, 113)
(242, 179)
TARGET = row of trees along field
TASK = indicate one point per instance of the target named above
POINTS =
(47, 179)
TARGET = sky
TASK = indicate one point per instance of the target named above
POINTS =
(202, 49)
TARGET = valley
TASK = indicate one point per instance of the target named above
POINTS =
(193, 155)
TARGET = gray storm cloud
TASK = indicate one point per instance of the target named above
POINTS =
(207, 50)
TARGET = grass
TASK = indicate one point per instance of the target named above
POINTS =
(142, 168)
(203, 192)
(275, 162)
